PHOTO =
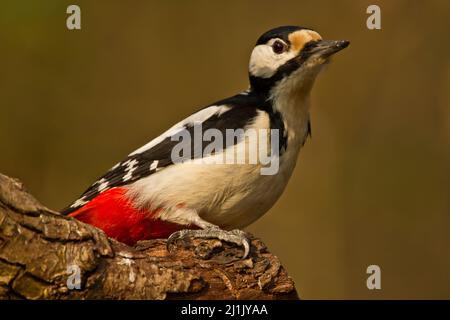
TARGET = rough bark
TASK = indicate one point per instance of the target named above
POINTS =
(39, 248)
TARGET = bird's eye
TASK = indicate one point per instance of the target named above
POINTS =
(278, 47)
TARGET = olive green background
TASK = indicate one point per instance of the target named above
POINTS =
(371, 187)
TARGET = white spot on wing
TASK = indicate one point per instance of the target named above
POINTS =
(115, 166)
(80, 202)
(103, 186)
(131, 166)
(154, 165)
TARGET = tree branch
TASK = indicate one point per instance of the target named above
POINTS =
(39, 246)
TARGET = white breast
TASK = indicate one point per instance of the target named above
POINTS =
(228, 195)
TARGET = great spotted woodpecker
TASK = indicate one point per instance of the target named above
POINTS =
(149, 195)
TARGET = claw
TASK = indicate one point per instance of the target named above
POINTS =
(234, 236)
(177, 235)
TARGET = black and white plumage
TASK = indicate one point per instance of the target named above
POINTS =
(233, 113)
(282, 70)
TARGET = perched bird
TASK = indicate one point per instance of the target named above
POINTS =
(151, 195)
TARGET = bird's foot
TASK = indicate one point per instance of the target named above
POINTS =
(235, 236)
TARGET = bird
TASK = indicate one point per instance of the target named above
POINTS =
(153, 194)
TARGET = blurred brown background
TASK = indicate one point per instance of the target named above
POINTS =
(371, 187)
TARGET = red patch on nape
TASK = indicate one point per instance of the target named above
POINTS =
(114, 213)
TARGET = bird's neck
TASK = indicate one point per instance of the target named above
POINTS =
(292, 101)
(294, 110)
(289, 96)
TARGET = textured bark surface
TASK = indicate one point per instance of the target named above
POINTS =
(41, 251)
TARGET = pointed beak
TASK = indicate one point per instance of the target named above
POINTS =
(326, 48)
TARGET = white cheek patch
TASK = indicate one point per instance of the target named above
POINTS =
(264, 62)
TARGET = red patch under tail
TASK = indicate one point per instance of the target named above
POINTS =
(113, 212)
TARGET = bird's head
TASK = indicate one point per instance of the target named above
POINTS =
(289, 58)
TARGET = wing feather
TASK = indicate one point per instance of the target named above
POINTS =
(156, 154)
